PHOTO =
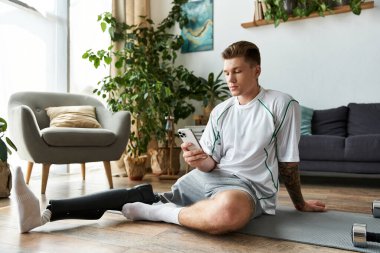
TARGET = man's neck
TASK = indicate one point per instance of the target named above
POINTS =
(246, 98)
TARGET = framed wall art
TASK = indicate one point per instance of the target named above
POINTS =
(199, 32)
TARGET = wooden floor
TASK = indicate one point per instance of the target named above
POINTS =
(113, 233)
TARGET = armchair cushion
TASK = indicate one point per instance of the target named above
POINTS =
(77, 137)
(73, 116)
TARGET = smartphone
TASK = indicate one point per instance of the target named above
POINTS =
(187, 135)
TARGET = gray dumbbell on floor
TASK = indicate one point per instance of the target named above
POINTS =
(376, 208)
(360, 236)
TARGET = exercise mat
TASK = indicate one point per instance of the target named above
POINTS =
(329, 229)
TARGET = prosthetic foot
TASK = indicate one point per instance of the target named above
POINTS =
(93, 206)
(28, 205)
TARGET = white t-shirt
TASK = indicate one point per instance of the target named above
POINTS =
(249, 140)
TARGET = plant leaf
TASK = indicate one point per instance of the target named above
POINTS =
(103, 25)
(10, 143)
(3, 125)
(3, 151)
(107, 60)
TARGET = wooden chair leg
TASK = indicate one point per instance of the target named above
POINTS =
(83, 166)
(45, 175)
(107, 168)
(28, 172)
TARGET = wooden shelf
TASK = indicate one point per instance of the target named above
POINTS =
(337, 10)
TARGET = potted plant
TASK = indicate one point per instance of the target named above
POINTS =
(355, 6)
(275, 11)
(280, 10)
(148, 84)
(5, 173)
(214, 89)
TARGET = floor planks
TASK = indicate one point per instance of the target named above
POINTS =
(113, 233)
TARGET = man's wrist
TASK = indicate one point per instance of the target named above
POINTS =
(207, 165)
(300, 206)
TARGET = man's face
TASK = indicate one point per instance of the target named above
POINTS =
(241, 78)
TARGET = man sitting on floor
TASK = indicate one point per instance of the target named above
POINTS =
(250, 140)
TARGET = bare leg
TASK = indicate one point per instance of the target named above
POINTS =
(228, 211)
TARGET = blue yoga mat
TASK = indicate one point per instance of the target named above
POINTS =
(329, 229)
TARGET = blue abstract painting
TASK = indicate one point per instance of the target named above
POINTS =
(199, 32)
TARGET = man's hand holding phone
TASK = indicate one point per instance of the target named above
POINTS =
(193, 153)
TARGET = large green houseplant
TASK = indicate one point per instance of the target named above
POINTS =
(5, 148)
(148, 83)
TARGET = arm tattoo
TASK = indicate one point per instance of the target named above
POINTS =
(290, 176)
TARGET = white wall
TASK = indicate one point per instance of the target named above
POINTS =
(322, 62)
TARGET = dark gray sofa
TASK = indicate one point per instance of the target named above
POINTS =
(344, 140)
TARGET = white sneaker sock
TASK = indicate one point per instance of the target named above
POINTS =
(28, 204)
(167, 212)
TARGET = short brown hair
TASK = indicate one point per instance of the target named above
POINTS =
(245, 49)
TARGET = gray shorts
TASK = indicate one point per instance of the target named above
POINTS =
(197, 185)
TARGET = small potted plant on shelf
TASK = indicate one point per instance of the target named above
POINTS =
(355, 6)
(280, 10)
(275, 11)
(5, 173)
(305, 7)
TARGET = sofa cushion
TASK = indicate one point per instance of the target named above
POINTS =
(321, 148)
(363, 119)
(363, 148)
(330, 121)
(306, 117)
(77, 137)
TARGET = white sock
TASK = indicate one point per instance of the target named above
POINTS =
(28, 204)
(167, 212)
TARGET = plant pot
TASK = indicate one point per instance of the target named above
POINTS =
(5, 180)
(207, 111)
(164, 160)
(135, 167)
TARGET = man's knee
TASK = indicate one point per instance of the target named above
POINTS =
(233, 209)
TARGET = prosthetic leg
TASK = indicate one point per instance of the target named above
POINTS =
(93, 206)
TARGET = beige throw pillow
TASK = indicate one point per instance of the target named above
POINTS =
(73, 116)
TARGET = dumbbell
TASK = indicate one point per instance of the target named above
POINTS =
(360, 236)
(376, 208)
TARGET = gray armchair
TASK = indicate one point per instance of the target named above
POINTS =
(38, 143)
